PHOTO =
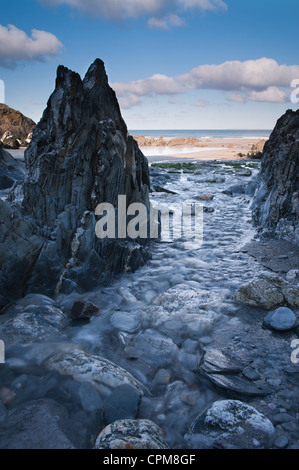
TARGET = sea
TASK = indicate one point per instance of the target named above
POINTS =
(204, 133)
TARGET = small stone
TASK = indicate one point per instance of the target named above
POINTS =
(89, 397)
(243, 172)
(83, 310)
(7, 395)
(281, 442)
(281, 319)
(205, 197)
(162, 377)
(250, 373)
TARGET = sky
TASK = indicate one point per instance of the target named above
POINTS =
(179, 64)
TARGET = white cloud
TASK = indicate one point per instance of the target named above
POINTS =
(129, 93)
(257, 75)
(167, 22)
(270, 95)
(156, 85)
(124, 9)
(127, 102)
(16, 45)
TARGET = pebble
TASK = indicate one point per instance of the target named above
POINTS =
(281, 442)
(281, 319)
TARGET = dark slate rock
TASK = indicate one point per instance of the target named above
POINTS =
(275, 206)
(122, 403)
(215, 361)
(83, 310)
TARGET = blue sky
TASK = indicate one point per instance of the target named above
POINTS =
(199, 64)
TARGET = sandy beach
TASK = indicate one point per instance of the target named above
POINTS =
(198, 149)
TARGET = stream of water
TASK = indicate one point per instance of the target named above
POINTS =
(163, 354)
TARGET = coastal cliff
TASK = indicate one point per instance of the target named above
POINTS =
(276, 201)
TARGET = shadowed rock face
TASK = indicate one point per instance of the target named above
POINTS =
(276, 202)
(80, 155)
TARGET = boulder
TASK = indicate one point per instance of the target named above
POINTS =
(231, 424)
(131, 434)
(268, 291)
(83, 367)
(122, 403)
(281, 319)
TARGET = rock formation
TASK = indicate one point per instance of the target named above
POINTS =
(80, 155)
(276, 202)
(15, 128)
(11, 170)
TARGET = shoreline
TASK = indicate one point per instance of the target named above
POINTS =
(162, 149)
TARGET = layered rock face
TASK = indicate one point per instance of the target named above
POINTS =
(80, 155)
(276, 202)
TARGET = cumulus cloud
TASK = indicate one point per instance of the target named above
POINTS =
(16, 45)
(270, 95)
(158, 84)
(129, 93)
(124, 9)
(257, 74)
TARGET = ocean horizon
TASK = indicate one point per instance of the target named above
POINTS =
(204, 133)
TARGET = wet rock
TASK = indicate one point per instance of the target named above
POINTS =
(205, 197)
(35, 322)
(125, 321)
(275, 206)
(82, 310)
(215, 361)
(225, 374)
(131, 434)
(122, 403)
(281, 442)
(250, 373)
(35, 425)
(243, 172)
(232, 424)
(89, 397)
(268, 291)
(153, 348)
(181, 312)
(281, 319)
(162, 378)
(7, 395)
(83, 367)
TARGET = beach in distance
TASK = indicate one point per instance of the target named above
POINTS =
(200, 145)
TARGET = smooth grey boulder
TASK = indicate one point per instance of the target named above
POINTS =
(231, 424)
(131, 434)
(281, 319)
